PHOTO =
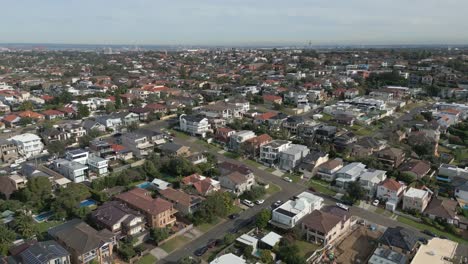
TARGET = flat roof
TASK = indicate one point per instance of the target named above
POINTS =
(435, 251)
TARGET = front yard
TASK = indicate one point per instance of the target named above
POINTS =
(422, 226)
(321, 187)
(175, 243)
(147, 259)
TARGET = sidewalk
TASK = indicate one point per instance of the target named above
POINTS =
(377, 210)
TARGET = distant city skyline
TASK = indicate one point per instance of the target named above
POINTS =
(235, 22)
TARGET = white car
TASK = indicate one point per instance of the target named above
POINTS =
(248, 203)
(287, 179)
(261, 201)
(342, 206)
(375, 202)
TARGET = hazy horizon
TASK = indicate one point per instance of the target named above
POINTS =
(235, 22)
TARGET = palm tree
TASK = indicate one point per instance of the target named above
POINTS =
(25, 226)
(7, 236)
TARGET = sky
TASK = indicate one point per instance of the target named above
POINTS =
(234, 22)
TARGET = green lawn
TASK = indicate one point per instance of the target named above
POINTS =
(147, 259)
(272, 189)
(205, 227)
(380, 210)
(252, 163)
(175, 243)
(305, 248)
(293, 177)
(44, 226)
(179, 134)
(231, 155)
(326, 117)
(270, 170)
(422, 226)
(321, 187)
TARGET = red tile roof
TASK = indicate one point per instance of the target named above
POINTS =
(142, 200)
(52, 112)
(391, 184)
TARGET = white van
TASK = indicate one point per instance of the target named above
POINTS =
(248, 203)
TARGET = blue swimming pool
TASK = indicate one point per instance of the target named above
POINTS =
(144, 185)
(87, 203)
(43, 216)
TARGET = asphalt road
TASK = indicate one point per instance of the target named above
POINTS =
(288, 190)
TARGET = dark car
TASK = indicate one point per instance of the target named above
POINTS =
(213, 243)
(422, 240)
(201, 251)
(429, 233)
(347, 202)
(233, 216)
(443, 237)
(312, 189)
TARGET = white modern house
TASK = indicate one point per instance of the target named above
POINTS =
(349, 173)
(240, 137)
(29, 145)
(291, 157)
(416, 199)
(194, 125)
(98, 165)
(73, 170)
(291, 212)
(138, 144)
(270, 152)
(370, 179)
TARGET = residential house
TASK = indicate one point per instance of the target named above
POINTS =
(222, 135)
(237, 182)
(325, 133)
(11, 120)
(228, 259)
(290, 213)
(8, 151)
(72, 170)
(90, 124)
(391, 192)
(121, 152)
(98, 247)
(399, 239)
(112, 122)
(127, 118)
(159, 213)
(138, 144)
(103, 149)
(344, 140)
(183, 202)
(440, 251)
(345, 119)
(391, 157)
(226, 168)
(195, 125)
(447, 173)
(270, 99)
(445, 209)
(349, 173)
(173, 149)
(53, 114)
(236, 139)
(371, 179)
(197, 158)
(251, 147)
(328, 169)
(29, 145)
(324, 228)
(118, 218)
(72, 131)
(97, 165)
(292, 123)
(270, 152)
(203, 185)
(292, 156)
(416, 168)
(383, 255)
(416, 199)
(263, 118)
(44, 252)
(30, 114)
(308, 166)
(351, 93)
(159, 184)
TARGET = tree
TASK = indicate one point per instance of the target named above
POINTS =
(159, 234)
(265, 257)
(355, 191)
(126, 251)
(188, 260)
(56, 147)
(26, 105)
(254, 193)
(229, 239)
(24, 121)
(7, 236)
(37, 193)
(262, 218)
(406, 177)
(25, 226)
(67, 201)
(110, 107)
(289, 252)
(83, 111)
(132, 127)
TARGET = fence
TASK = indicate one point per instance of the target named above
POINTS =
(178, 233)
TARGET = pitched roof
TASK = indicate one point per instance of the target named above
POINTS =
(113, 212)
(204, 186)
(265, 116)
(443, 208)
(237, 177)
(10, 118)
(179, 197)
(418, 167)
(399, 237)
(141, 199)
(51, 112)
(391, 184)
(321, 221)
(81, 237)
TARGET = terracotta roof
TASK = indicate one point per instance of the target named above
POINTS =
(224, 130)
(265, 116)
(391, 184)
(10, 118)
(141, 199)
(30, 114)
(67, 110)
(52, 112)
(258, 140)
(269, 97)
(203, 186)
(178, 196)
(237, 177)
(191, 179)
(418, 167)
(117, 147)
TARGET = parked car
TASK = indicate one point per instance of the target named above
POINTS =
(312, 189)
(233, 216)
(213, 243)
(429, 233)
(261, 201)
(201, 251)
(375, 202)
(342, 206)
(248, 203)
(422, 240)
(287, 179)
(277, 203)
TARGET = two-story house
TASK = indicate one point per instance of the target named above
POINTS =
(237, 182)
(391, 192)
(118, 218)
(195, 125)
(310, 163)
(416, 199)
(370, 179)
(290, 213)
(390, 157)
(8, 151)
(28, 145)
(292, 156)
(251, 147)
(236, 139)
(270, 152)
(98, 247)
(349, 173)
(44, 252)
(158, 212)
(328, 169)
(183, 202)
(323, 227)
(138, 144)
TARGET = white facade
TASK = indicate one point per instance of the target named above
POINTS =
(270, 152)
(416, 199)
(291, 212)
(29, 145)
(194, 125)
(291, 157)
